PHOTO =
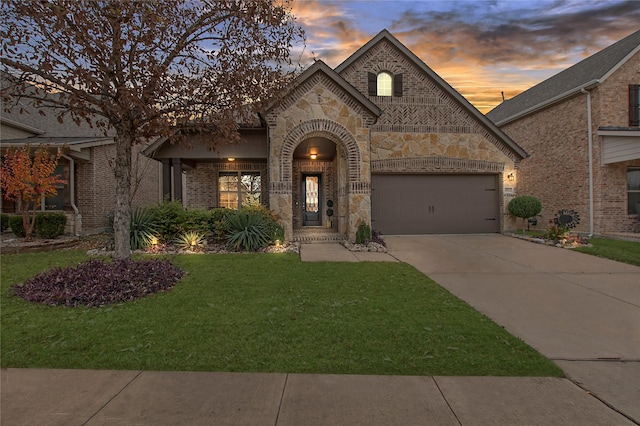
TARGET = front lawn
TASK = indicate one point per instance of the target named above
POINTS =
(622, 251)
(266, 313)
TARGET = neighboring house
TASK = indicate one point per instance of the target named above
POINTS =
(381, 137)
(581, 130)
(89, 195)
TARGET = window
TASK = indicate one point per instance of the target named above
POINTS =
(633, 190)
(237, 189)
(634, 105)
(385, 84)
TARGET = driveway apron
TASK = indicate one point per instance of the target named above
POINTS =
(581, 311)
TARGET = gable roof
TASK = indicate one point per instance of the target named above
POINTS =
(320, 66)
(444, 86)
(585, 74)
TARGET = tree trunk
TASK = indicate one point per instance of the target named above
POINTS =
(122, 212)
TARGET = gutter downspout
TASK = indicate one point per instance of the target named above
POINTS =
(590, 137)
(72, 187)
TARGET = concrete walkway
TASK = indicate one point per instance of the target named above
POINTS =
(581, 311)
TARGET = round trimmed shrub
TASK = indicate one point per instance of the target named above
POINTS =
(525, 206)
(50, 225)
(4, 222)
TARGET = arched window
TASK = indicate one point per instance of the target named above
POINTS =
(385, 83)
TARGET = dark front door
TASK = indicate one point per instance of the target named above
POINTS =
(311, 200)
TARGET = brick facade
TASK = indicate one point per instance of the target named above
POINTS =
(557, 140)
(95, 185)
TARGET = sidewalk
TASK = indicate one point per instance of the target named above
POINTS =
(573, 308)
(90, 397)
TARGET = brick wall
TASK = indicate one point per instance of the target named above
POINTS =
(95, 185)
(557, 170)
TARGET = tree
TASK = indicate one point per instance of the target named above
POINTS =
(525, 206)
(27, 178)
(147, 69)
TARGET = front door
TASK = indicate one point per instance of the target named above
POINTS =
(311, 200)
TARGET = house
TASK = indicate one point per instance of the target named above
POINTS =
(581, 130)
(88, 197)
(380, 139)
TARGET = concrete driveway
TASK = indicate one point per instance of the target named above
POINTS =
(581, 311)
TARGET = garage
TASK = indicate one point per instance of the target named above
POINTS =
(406, 204)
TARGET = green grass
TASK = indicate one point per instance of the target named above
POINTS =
(622, 251)
(266, 313)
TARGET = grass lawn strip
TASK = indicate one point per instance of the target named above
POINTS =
(266, 313)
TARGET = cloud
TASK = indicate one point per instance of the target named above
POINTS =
(481, 48)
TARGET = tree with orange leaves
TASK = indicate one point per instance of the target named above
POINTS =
(27, 178)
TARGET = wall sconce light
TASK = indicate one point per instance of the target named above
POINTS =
(231, 159)
(313, 156)
(511, 177)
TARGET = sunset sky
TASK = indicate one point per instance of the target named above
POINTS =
(481, 48)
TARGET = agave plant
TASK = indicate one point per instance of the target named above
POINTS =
(143, 228)
(246, 231)
(191, 240)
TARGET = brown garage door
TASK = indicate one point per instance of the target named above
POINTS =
(434, 204)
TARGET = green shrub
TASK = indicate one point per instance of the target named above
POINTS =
(197, 220)
(246, 231)
(168, 218)
(143, 228)
(4, 222)
(525, 206)
(15, 224)
(50, 225)
(363, 234)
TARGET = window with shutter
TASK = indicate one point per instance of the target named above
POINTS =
(634, 105)
(373, 84)
(397, 85)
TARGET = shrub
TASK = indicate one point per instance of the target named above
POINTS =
(167, 220)
(143, 228)
(191, 240)
(525, 206)
(96, 283)
(16, 226)
(197, 220)
(363, 234)
(50, 225)
(246, 231)
(4, 222)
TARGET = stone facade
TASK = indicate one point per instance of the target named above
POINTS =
(429, 129)
(557, 140)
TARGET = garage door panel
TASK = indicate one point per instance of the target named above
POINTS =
(434, 204)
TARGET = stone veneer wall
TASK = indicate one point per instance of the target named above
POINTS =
(319, 108)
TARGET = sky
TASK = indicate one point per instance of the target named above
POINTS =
(481, 48)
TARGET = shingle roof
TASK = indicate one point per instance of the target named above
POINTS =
(587, 72)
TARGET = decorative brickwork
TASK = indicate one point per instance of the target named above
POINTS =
(435, 164)
(423, 108)
(324, 128)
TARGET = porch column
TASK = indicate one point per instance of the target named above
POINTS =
(166, 179)
(177, 179)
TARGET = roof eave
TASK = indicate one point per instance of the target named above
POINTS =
(569, 93)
